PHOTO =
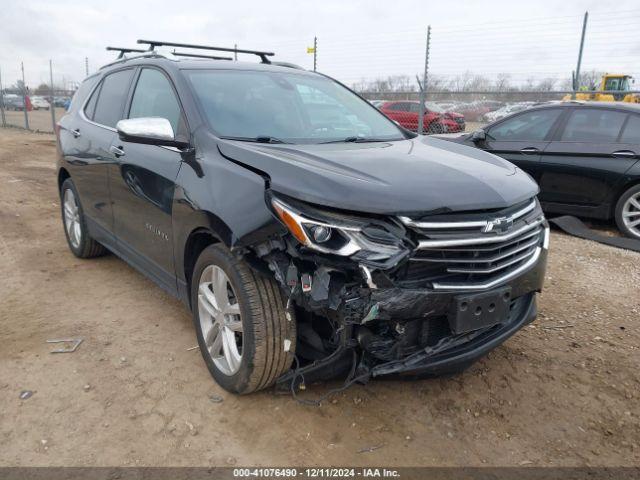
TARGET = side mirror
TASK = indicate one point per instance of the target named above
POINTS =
(478, 136)
(148, 131)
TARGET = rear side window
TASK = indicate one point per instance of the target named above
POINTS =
(154, 97)
(90, 109)
(399, 107)
(81, 94)
(631, 132)
(593, 125)
(530, 126)
(113, 95)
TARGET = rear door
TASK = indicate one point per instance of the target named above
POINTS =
(585, 162)
(522, 138)
(90, 134)
(143, 179)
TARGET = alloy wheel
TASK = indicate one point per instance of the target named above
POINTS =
(72, 218)
(631, 214)
(220, 319)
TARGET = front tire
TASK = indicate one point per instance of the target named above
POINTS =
(246, 337)
(628, 212)
(75, 227)
(435, 128)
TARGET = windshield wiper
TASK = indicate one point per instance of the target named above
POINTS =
(355, 139)
(258, 139)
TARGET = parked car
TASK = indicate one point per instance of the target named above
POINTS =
(14, 102)
(39, 103)
(474, 111)
(407, 114)
(304, 244)
(60, 101)
(376, 103)
(448, 114)
(584, 156)
(506, 111)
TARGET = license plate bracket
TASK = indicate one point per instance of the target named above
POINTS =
(479, 310)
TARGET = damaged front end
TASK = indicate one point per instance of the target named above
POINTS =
(425, 294)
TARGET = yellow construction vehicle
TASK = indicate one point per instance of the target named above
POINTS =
(618, 83)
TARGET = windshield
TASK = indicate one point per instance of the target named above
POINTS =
(286, 108)
(434, 107)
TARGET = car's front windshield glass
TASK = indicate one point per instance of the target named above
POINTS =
(434, 107)
(286, 107)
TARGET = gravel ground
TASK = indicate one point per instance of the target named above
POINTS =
(562, 392)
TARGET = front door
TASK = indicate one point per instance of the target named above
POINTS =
(143, 181)
(521, 139)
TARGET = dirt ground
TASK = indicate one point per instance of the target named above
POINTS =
(562, 392)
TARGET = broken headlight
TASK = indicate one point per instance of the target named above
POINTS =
(338, 234)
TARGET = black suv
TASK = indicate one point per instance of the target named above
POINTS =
(309, 234)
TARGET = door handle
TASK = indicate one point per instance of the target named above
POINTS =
(529, 150)
(75, 133)
(118, 152)
(624, 154)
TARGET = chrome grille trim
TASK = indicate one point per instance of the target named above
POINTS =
(497, 268)
(494, 282)
(470, 224)
(426, 244)
(493, 259)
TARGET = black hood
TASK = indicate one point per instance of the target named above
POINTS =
(420, 175)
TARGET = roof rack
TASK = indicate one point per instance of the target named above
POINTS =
(197, 55)
(125, 50)
(156, 43)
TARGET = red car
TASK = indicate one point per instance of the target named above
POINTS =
(436, 120)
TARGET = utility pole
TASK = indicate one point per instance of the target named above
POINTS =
(576, 82)
(423, 91)
(51, 102)
(86, 66)
(4, 120)
(235, 53)
(315, 53)
(24, 97)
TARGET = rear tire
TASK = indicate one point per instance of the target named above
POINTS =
(246, 338)
(628, 212)
(75, 227)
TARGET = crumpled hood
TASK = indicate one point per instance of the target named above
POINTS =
(419, 175)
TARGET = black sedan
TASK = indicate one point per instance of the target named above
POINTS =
(583, 155)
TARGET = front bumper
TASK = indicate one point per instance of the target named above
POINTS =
(397, 304)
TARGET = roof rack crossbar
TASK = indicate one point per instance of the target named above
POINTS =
(156, 43)
(125, 50)
(196, 55)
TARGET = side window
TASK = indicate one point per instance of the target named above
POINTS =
(593, 125)
(113, 95)
(530, 126)
(631, 132)
(414, 107)
(90, 109)
(154, 97)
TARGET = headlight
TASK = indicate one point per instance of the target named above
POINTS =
(326, 233)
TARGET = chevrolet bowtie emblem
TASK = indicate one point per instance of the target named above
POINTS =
(502, 225)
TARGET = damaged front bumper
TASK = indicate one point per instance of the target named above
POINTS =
(433, 306)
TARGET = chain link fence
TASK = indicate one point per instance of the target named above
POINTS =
(431, 80)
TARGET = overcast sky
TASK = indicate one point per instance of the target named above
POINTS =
(356, 39)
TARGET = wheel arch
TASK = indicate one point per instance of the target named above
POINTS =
(633, 182)
(63, 174)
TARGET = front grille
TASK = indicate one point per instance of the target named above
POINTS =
(476, 253)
